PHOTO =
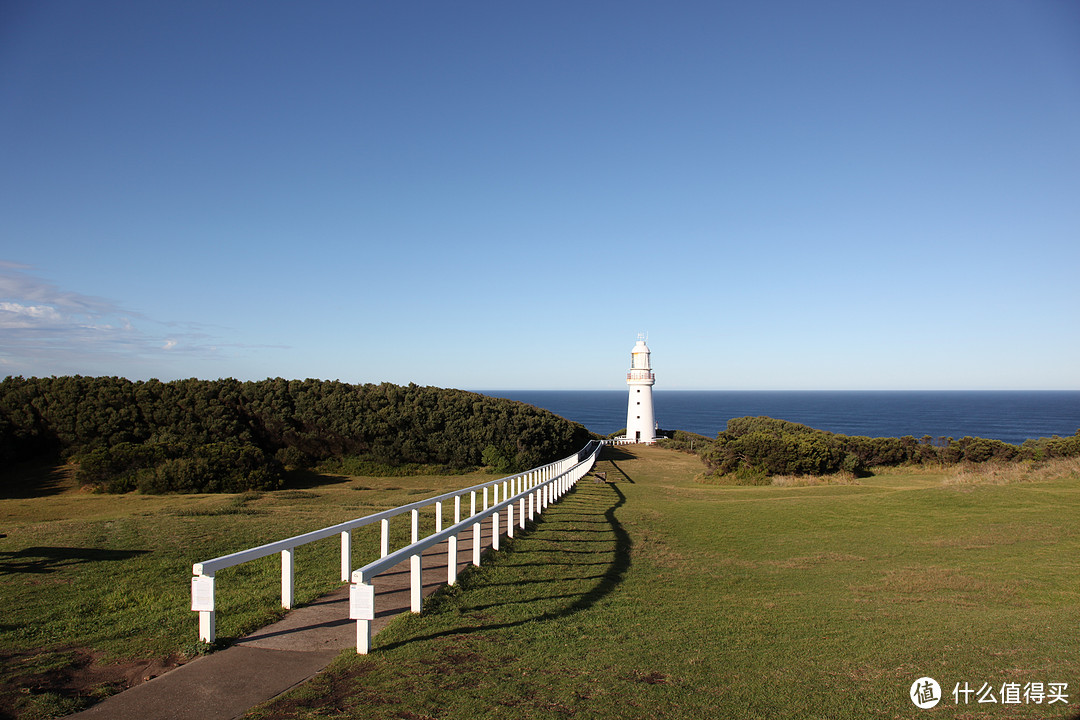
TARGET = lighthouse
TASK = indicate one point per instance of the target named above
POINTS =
(639, 413)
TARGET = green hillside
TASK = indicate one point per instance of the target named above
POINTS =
(231, 436)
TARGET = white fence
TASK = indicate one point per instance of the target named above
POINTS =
(532, 491)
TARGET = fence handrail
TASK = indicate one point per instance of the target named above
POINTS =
(209, 567)
(375, 567)
(549, 490)
(545, 477)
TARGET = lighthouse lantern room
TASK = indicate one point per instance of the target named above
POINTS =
(640, 424)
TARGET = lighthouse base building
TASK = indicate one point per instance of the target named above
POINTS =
(640, 421)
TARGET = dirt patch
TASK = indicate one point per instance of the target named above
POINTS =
(83, 678)
(650, 678)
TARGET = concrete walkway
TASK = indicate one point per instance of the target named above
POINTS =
(228, 683)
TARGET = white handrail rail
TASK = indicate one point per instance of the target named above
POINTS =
(202, 582)
(376, 567)
(209, 567)
(362, 592)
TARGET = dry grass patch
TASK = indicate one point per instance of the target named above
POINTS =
(814, 480)
(1000, 536)
(1009, 473)
(935, 584)
(810, 561)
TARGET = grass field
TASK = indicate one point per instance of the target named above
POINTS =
(95, 588)
(653, 596)
(657, 597)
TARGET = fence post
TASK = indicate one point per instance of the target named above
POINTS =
(438, 516)
(207, 626)
(362, 610)
(476, 535)
(346, 555)
(287, 578)
(384, 533)
(416, 587)
(451, 546)
(476, 532)
(495, 531)
(363, 637)
(202, 601)
(510, 520)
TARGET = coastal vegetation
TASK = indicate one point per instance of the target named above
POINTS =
(230, 436)
(752, 450)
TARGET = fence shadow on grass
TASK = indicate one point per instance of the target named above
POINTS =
(615, 452)
(606, 582)
(609, 455)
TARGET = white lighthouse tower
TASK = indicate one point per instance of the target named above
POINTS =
(639, 413)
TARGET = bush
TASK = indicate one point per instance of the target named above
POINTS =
(497, 460)
(686, 442)
(163, 467)
(147, 434)
(118, 468)
(776, 447)
(216, 467)
(1052, 447)
(779, 447)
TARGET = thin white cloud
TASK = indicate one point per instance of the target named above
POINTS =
(15, 315)
(45, 329)
(22, 287)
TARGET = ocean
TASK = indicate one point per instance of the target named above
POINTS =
(1010, 416)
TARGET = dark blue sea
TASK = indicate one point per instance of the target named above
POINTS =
(1011, 416)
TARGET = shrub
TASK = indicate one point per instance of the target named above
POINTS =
(215, 467)
(303, 420)
(118, 468)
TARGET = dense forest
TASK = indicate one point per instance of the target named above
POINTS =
(229, 436)
(752, 449)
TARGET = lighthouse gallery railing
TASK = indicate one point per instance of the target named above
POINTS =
(531, 491)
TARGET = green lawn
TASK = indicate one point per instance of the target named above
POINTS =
(658, 597)
(651, 597)
(91, 583)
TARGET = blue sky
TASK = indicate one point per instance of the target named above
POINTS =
(492, 195)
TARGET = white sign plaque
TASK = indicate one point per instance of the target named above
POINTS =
(361, 602)
(202, 594)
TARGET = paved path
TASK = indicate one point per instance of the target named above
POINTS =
(228, 683)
